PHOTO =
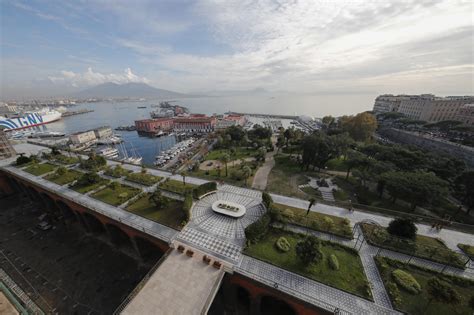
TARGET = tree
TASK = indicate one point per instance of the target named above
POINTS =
(341, 143)
(225, 159)
(312, 201)
(328, 122)
(247, 171)
(288, 134)
(442, 292)
(280, 142)
(309, 250)
(184, 174)
(143, 170)
(260, 154)
(402, 228)
(464, 185)
(89, 178)
(115, 186)
(360, 127)
(317, 150)
(158, 199)
(61, 170)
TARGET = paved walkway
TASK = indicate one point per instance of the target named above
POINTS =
(180, 285)
(261, 176)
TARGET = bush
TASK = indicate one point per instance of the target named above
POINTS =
(394, 293)
(288, 214)
(187, 205)
(23, 160)
(282, 244)
(406, 281)
(203, 189)
(403, 228)
(442, 291)
(267, 200)
(258, 229)
(333, 262)
(309, 250)
(328, 222)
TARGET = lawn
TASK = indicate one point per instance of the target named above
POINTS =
(172, 215)
(86, 188)
(116, 171)
(40, 169)
(420, 303)
(424, 246)
(64, 159)
(350, 277)
(285, 177)
(315, 220)
(468, 249)
(68, 177)
(143, 178)
(310, 191)
(176, 186)
(116, 196)
(240, 153)
(234, 174)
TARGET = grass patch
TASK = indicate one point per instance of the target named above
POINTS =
(143, 178)
(116, 196)
(310, 191)
(419, 303)
(117, 171)
(468, 249)
(86, 188)
(340, 195)
(240, 153)
(350, 277)
(40, 169)
(172, 216)
(64, 159)
(234, 174)
(315, 221)
(68, 177)
(423, 246)
(286, 176)
(337, 164)
(176, 186)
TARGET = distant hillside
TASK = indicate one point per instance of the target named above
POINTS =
(133, 90)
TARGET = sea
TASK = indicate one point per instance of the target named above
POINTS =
(124, 113)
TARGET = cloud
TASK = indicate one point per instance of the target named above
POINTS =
(90, 78)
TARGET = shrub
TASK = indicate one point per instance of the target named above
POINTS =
(309, 250)
(328, 222)
(333, 262)
(282, 244)
(22, 160)
(187, 205)
(203, 189)
(406, 281)
(394, 293)
(288, 214)
(402, 227)
(346, 222)
(442, 291)
(267, 200)
(258, 229)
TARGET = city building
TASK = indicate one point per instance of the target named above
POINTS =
(6, 149)
(222, 124)
(466, 114)
(194, 124)
(154, 126)
(83, 137)
(239, 119)
(103, 132)
(426, 107)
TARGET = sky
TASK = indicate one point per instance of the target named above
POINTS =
(51, 48)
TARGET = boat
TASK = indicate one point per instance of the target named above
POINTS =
(135, 158)
(111, 140)
(29, 119)
(109, 152)
(141, 107)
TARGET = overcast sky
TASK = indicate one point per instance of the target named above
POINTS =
(52, 47)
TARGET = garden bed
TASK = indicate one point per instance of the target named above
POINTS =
(350, 277)
(468, 249)
(143, 179)
(410, 303)
(68, 177)
(315, 221)
(40, 169)
(64, 159)
(116, 171)
(116, 196)
(177, 186)
(172, 215)
(89, 187)
(423, 246)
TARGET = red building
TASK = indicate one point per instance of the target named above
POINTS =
(153, 126)
(194, 124)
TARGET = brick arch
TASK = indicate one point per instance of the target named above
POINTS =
(94, 224)
(243, 297)
(68, 213)
(149, 251)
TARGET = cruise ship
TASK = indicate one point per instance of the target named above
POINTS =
(28, 120)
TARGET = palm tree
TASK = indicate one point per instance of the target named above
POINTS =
(184, 174)
(312, 201)
(247, 172)
(225, 159)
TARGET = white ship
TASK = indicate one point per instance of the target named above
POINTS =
(28, 120)
(109, 152)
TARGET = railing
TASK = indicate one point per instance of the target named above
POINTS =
(302, 296)
(141, 284)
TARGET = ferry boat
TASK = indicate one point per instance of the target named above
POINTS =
(28, 120)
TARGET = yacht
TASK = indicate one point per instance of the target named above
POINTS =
(109, 152)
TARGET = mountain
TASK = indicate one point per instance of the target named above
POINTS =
(126, 90)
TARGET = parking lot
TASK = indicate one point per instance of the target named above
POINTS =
(63, 269)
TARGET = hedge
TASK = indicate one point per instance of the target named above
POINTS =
(258, 229)
(406, 281)
(267, 200)
(187, 205)
(203, 189)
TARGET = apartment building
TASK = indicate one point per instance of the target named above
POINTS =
(466, 114)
